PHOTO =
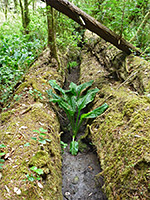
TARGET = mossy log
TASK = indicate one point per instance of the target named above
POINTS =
(122, 134)
(29, 111)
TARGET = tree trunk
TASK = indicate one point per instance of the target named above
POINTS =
(15, 6)
(6, 8)
(90, 23)
(25, 15)
(33, 5)
(51, 34)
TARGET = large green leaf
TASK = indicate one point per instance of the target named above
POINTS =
(96, 112)
(83, 101)
(70, 98)
(55, 96)
(77, 89)
(73, 88)
(67, 108)
(56, 86)
(83, 86)
(74, 148)
(72, 103)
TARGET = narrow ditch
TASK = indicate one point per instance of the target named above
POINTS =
(79, 172)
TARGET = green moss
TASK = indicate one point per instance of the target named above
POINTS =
(122, 142)
(40, 159)
(4, 116)
(131, 107)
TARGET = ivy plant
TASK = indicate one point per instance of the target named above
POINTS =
(42, 134)
(37, 171)
(73, 101)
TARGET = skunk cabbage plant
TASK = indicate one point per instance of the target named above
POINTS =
(72, 101)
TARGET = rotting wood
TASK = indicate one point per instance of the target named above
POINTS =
(93, 25)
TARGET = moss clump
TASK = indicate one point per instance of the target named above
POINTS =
(41, 158)
(4, 116)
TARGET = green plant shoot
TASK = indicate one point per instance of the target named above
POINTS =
(72, 101)
(37, 171)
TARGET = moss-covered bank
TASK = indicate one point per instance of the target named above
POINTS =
(29, 111)
(122, 134)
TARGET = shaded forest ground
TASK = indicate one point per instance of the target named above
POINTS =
(121, 135)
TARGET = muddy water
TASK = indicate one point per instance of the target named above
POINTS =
(79, 181)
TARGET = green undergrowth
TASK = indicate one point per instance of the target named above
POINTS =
(18, 52)
(17, 128)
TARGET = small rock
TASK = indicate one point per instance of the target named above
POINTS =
(75, 180)
(67, 195)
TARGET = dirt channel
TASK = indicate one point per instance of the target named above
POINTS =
(79, 172)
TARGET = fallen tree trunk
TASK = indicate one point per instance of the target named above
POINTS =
(20, 127)
(121, 134)
(90, 23)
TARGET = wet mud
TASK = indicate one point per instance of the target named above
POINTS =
(79, 177)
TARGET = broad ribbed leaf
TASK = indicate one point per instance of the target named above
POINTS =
(96, 112)
(77, 89)
(83, 86)
(74, 148)
(83, 101)
(56, 86)
(70, 98)
(55, 96)
(72, 103)
(73, 88)
(69, 111)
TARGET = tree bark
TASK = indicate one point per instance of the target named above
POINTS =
(90, 23)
